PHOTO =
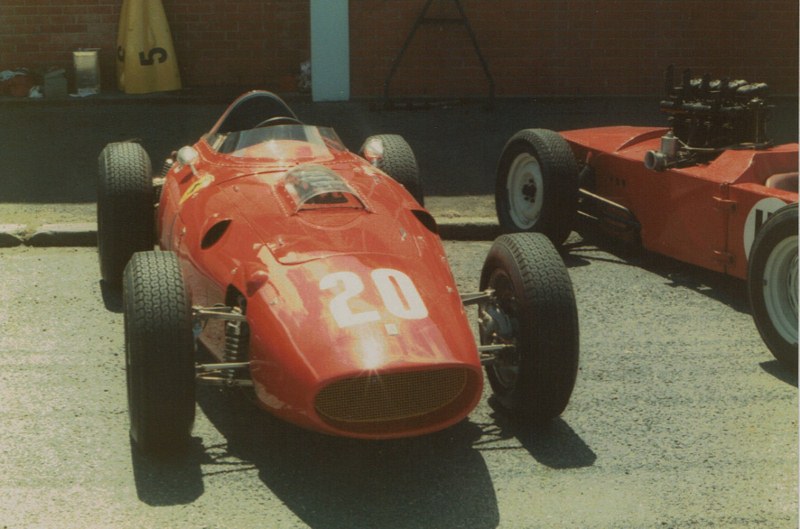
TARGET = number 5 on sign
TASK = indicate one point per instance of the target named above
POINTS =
(398, 294)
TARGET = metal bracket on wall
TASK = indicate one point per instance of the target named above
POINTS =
(423, 19)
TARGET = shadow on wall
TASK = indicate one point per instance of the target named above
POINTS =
(456, 145)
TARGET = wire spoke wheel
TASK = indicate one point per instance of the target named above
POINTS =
(533, 311)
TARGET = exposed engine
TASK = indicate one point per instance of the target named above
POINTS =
(708, 116)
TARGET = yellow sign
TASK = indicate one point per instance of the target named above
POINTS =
(146, 60)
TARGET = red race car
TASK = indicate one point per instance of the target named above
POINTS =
(315, 277)
(712, 190)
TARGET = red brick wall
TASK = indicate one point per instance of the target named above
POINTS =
(533, 47)
(39, 34)
(573, 47)
(254, 43)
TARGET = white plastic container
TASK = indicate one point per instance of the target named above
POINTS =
(87, 70)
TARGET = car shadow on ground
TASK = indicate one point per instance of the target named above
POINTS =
(112, 298)
(581, 250)
(169, 479)
(437, 480)
(774, 368)
(553, 444)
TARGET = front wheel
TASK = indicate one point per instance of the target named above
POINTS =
(159, 353)
(536, 187)
(533, 311)
(125, 199)
(772, 284)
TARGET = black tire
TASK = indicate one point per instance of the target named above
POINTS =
(159, 353)
(399, 162)
(772, 284)
(125, 208)
(536, 187)
(534, 297)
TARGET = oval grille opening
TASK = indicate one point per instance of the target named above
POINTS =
(382, 402)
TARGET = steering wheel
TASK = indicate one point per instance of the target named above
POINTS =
(278, 120)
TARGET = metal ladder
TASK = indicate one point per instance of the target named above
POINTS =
(424, 19)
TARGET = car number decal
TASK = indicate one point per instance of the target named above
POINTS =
(756, 217)
(397, 291)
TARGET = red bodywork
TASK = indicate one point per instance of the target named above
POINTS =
(705, 214)
(356, 326)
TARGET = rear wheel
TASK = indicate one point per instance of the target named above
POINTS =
(536, 188)
(159, 353)
(772, 284)
(533, 311)
(392, 154)
(125, 217)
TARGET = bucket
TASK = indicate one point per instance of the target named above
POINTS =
(87, 70)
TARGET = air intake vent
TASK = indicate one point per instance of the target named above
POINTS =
(388, 403)
(214, 234)
(426, 219)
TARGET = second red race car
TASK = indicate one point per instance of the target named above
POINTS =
(315, 278)
(711, 190)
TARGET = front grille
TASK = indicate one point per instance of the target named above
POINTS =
(389, 402)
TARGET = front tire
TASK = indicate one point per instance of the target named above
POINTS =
(125, 208)
(533, 310)
(392, 154)
(772, 285)
(159, 353)
(536, 187)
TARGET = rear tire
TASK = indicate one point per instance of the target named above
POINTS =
(125, 208)
(772, 284)
(159, 353)
(533, 308)
(536, 187)
(397, 160)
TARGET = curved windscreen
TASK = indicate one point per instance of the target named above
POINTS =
(296, 143)
(315, 186)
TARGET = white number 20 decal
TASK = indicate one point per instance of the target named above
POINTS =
(397, 291)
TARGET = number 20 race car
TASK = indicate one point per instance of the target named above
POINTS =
(712, 190)
(315, 277)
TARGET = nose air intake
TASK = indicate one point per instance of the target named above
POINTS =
(385, 404)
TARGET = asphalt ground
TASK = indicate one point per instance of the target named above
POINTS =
(680, 419)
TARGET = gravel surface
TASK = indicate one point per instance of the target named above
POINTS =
(34, 216)
(680, 418)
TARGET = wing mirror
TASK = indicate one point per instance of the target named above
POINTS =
(188, 156)
(372, 150)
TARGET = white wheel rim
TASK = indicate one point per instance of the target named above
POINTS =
(525, 187)
(780, 288)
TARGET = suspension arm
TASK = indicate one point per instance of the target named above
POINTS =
(218, 313)
(488, 353)
(473, 298)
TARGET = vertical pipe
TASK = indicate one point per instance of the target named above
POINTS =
(330, 50)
